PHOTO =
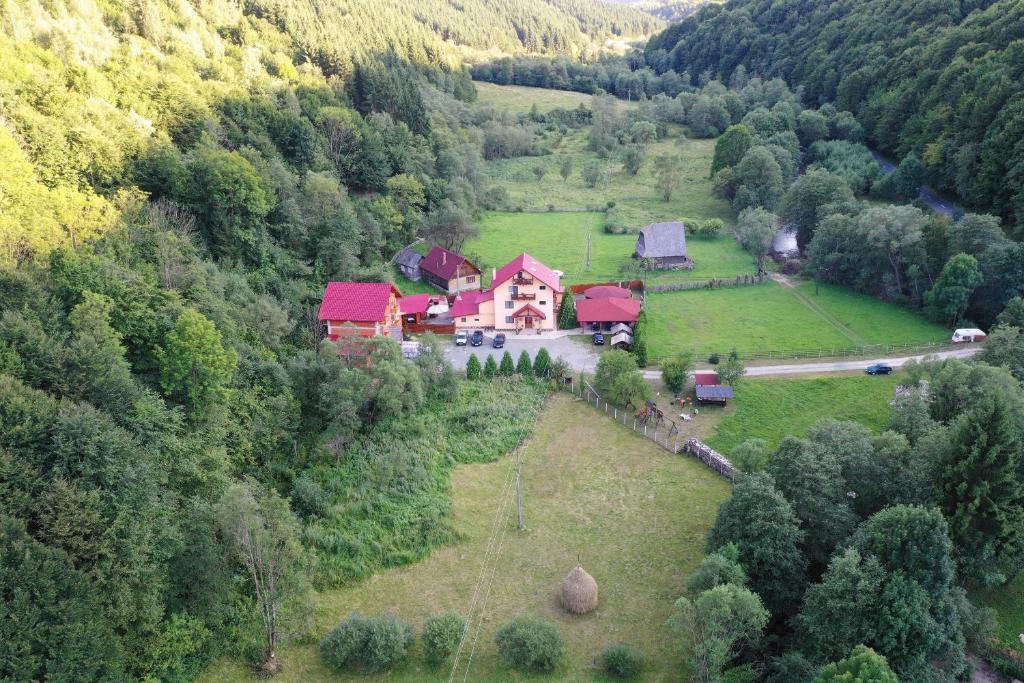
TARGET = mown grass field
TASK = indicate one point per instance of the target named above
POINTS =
(635, 514)
(521, 98)
(772, 408)
(559, 239)
(636, 197)
(771, 317)
(1008, 602)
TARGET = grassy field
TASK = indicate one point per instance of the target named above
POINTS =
(521, 98)
(771, 317)
(772, 408)
(634, 513)
(1008, 602)
(559, 239)
(636, 197)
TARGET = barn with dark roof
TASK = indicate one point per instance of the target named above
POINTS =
(664, 244)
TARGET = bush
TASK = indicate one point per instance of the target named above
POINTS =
(524, 367)
(621, 661)
(530, 644)
(714, 358)
(676, 371)
(441, 636)
(709, 229)
(367, 645)
(542, 364)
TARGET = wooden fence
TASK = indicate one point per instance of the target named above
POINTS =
(666, 436)
(867, 351)
(710, 283)
(423, 328)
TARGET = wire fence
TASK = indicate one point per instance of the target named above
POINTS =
(709, 283)
(667, 436)
(821, 352)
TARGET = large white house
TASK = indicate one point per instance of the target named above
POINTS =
(524, 295)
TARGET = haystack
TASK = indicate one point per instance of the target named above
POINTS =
(579, 591)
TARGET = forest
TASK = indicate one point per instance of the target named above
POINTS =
(179, 182)
(937, 80)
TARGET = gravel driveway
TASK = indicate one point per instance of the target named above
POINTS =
(578, 353)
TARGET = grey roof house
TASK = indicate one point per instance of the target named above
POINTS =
(665, 243)
(409, 264)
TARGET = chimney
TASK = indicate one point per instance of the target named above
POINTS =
(494, 274)
(444, 258)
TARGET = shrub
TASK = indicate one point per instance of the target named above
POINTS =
(308, 497)
(710, 228)
(621, 661)
(367, 645)
(490, 367)
(714, 358)
(530, 644)
(473, 368)
(441, 636)
(542, 364)
(676, 371)
(524, 367)
(506, 367)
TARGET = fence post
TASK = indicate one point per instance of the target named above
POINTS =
(634, 424)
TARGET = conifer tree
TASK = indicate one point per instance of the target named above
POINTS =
(507, 367)
(981, 494)
(542, 364)
(473, 368)
(490, 367)
(567, 313)
(524, 367)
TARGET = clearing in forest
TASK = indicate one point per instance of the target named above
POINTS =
(520, 99)
(634, 513)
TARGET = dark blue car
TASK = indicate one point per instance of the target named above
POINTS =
(477, 338)
(878, 369)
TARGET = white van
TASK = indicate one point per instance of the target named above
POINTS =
(968, 334)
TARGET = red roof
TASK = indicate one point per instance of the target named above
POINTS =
(532, 266)
(416, 303)
(705, 378)
(468, 303)
(444, 263)
(529, 310)
(607, 310)
(363, 302)
(607, 292)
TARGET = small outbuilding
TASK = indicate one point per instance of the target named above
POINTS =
(622, 340)
(713, 393)
(605, 313)
(578, 592)
(607, 292)
(409, 263)
(706, 378)
(664, 244)
(450, 272)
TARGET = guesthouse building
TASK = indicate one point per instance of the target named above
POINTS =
(366, 309)
(524, 296)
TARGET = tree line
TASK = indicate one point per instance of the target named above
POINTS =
(940, 81)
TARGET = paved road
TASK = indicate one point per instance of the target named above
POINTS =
(928, 195)
(838, 366)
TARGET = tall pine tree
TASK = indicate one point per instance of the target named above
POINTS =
(981, 492)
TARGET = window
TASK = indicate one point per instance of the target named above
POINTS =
(543, 303)
(510, 304)
(471, 278)
(509, 319)
(463, 320)
(543, 287)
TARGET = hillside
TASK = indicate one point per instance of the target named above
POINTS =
(942, 80)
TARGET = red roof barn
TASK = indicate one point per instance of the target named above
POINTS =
(365, 308)
(607, 311)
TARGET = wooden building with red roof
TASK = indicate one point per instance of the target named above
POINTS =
(450, 272)
(368, 309)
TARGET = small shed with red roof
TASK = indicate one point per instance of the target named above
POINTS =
(706, 378)
(365, 308)
(607, 292)
(604, 313)
(449, 271)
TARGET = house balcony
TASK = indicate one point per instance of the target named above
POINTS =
(522, 280)
(523, 296)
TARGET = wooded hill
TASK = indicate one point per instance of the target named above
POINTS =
(942, 79)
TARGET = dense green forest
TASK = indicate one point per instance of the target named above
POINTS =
(940, 80)
(178, 183)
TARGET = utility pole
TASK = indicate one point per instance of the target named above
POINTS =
(519, 488)
(588, 250)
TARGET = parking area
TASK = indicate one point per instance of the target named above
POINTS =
(580, 355)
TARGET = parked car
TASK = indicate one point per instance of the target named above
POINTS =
(878, 369)
(461, 337)
(477, 339)
(598, 339)
(966, 335)
(499, 341)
